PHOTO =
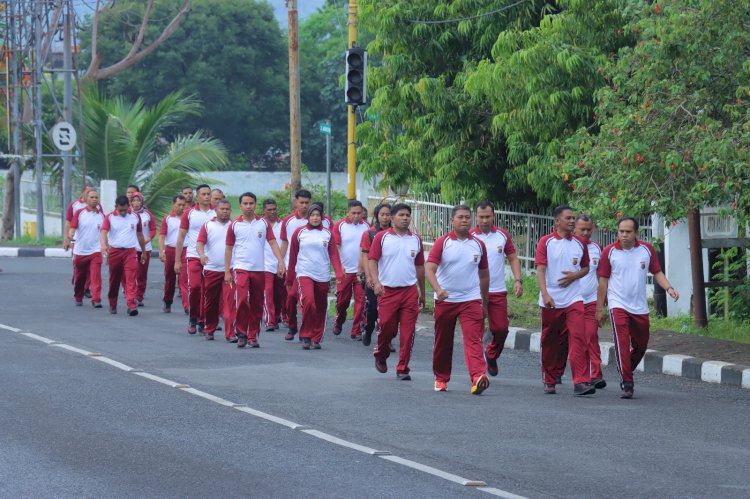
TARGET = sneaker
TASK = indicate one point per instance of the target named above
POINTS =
(290, 334)
(356, 337)
(139, 303)
(218, 328)
(336, 330)
(270, 328)
(598, 383)
(549, 388)
(87, 293)
(79, 304)
(306, 343)
(112, 310)
(97, 304)
(481, 383)
(167, 308)
(132, 312)
(241, 341)
(276, 327)
(558, 381)
(187, 311)
(201, 328)
(232, 339)
(441, 386)
(316, 345)
(253, 343)
(492, 368)
(403, 377)
(209, 336)
(583, 389)
(381, 366)
(367, 338)
(627, 390)
(191, 328)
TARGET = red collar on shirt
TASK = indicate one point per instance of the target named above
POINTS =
(557, 236)
(476, 230)
(452, 235)
(272, 223)
(619, 246)
(391, 230)
(241, 218)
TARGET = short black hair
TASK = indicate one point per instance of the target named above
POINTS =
(216, 189)
(122, 200)
(485, 204)
(460, 207)
(269, 201)
(187, 187)
(202, 186)
(134, 187)
(635, 222)
(400, 206)
(560, 209)
(223, 201)
(354, 204)
(178, 198)
(248, 194)
(303, 193)
(584, 217)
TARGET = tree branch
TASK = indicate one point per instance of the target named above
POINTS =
(142, 31)
(49, 35)
(95, 60)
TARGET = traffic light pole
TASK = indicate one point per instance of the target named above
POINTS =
(351, 117)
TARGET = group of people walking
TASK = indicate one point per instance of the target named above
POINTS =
(258, 270)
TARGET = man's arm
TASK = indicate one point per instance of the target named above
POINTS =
(284, 248)
(228, 250)
(104, 242)
(279, 256)
(200, 247)
(601, 298)
(541, 279)
(377, 286)
(569, 277)
(142, 242)
(430, 272)
(420, 285)
(67, 235)
(661, 280)
(484, 287)
(162, 247)
(178, 250)
(515, 268)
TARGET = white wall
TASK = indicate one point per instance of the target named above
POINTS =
(677, 263)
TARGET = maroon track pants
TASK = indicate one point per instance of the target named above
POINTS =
(350, 285)
(87, 272)
(248, 298)
(472, 327)
(397, 312)
(290, 305)
(592, 339)
(275, 294)
(497, 312)
(195, 290)
(123, 268)
(631, 335)
(561, 327)
(142, 275)
(214, 289)
(170, 277)
(313, 298)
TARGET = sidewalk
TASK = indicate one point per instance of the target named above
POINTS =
(675, 354)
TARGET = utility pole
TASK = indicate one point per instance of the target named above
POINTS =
(295, 132)
(351, 192)
(67, 108)
(16, 114)
(328, 169)
(700, 315)
(37, 85)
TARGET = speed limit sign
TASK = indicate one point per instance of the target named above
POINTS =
(64, 136)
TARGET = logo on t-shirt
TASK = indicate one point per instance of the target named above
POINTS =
(260, 234)
(132, 226)
(412, 253)
(476, 258)
(325, 243)
(643, 264)
(595, 260)
(500, 248)
(575, 260)
(98, 226)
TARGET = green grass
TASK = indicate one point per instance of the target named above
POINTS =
(47, 242)
(718, 328)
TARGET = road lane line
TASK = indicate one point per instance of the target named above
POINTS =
(10, 328)
(208, 396)
(161, 380)
(39, 338)
(65, 346)
(500, 493)
(344, 443)
(432, 471)
(113, 363)
(270, 417)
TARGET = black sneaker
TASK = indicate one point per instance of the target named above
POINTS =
(306, 343)
(187, 311)
(316, 345)
(191, 328)
(583, 389)
(381, 366)
(270, 328)
(628, 388)
(549, 389)
(492, 368)
(201, 328)
(132, 312)
(356, 337)
(598, 383)
(336, 330)
(218, 328)
(241, 341)
(112, 310)
(290, 334)
(253, 343)
(167, 308)
(139, 303)
(558, 381)
(209, 336)
(79, 304)
(403, 377)
(87, 293)
(367, 338)
(97, 304)
(232, 339)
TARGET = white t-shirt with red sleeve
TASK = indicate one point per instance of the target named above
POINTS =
(562, 254)
(311, 253)
(170, 229)
(398, 257)
(213, 234)
(192, 221)
(499, 244)
(249, 238)
(289, 226)
(149, 227)
(123, 230)
(88, 224)
(348, 236)
(627, 271)
(73, 207)
(459, 262)
(271, 263)
(590, 282)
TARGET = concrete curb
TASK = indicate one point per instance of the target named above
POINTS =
(45, 253)
(710, 371)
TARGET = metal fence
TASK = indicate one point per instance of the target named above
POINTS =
(431, 219)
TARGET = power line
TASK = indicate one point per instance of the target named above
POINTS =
(448, 21)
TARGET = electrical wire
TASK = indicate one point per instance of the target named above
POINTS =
(468, 18)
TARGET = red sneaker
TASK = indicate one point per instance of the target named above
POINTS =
(441, 386)
(481, 383)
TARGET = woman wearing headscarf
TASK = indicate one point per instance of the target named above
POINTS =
(312, 253)
(149, 231)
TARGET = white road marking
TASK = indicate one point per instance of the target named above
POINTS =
(161, 380)
(432, 471)
(8, 251)
(210, 397)
(114, 363)
(39, 338)
(271, 418)
(70, 348)
(10, 328)
(344, 443)
(500, 493)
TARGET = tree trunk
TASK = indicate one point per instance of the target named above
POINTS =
(9, 212)
(700, 315)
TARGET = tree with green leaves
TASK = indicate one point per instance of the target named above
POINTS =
(131, 143)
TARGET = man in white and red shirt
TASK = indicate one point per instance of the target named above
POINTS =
(396, 262)
(73, 207)
(275, 289)
(292, 222)
(347, 234)
(168, 230)
(623, 273)
(87, 252)
(589, 284)
(457, 270)
(561, 260)
(121, 234)
(149, 232)
(244, 268)
(499, 246)
(190, 226)
(211, 247)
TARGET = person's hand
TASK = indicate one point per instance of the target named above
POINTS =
(422, 302)
(567, 279)
(281, 269)
(66, 244)
(601, 316)
(105, 251)
(228, 278)
(673, 293)
(548, 301)
(518, 289)
(177, 266)
(163, 256)
(485, 308)
(378, 289)
(441, 294)
(204, 260)
(143, 258)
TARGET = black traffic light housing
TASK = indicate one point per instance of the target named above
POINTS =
(356, 76)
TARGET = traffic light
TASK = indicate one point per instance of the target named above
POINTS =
(356, 76)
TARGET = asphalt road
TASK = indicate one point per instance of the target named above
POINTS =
(72, 426)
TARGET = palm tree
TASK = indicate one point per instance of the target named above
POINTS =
(128, 142)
